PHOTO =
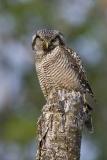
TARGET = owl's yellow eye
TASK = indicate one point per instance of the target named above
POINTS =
(38, 38)
(57, 41)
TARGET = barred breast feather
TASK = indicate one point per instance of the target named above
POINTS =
(55, 71)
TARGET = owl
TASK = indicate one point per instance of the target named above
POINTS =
(59, 67)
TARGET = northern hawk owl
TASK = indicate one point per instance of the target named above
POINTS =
(59, 67)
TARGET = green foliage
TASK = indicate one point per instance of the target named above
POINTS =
(19, 129)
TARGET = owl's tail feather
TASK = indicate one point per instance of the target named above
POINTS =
(89, 125)
(88, 121)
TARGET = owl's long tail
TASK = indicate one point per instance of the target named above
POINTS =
(88, 121)
(88, 115)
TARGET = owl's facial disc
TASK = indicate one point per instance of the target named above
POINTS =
(47, 40)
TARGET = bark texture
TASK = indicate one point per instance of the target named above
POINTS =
(60, 127)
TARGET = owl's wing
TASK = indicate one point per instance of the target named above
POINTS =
(76, 64)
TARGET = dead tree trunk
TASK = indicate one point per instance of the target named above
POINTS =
(60, 127)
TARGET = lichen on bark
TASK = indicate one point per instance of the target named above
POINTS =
(60, 127)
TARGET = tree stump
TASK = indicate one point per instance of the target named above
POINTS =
(60, 127)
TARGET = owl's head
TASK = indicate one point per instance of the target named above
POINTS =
(47, 40)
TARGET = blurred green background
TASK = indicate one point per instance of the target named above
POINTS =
(84, 24)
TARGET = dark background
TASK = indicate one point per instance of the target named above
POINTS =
(84, 24)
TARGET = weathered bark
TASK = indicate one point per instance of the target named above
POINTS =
(60, 127)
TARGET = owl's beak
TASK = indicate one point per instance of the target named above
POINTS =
(46, 45)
